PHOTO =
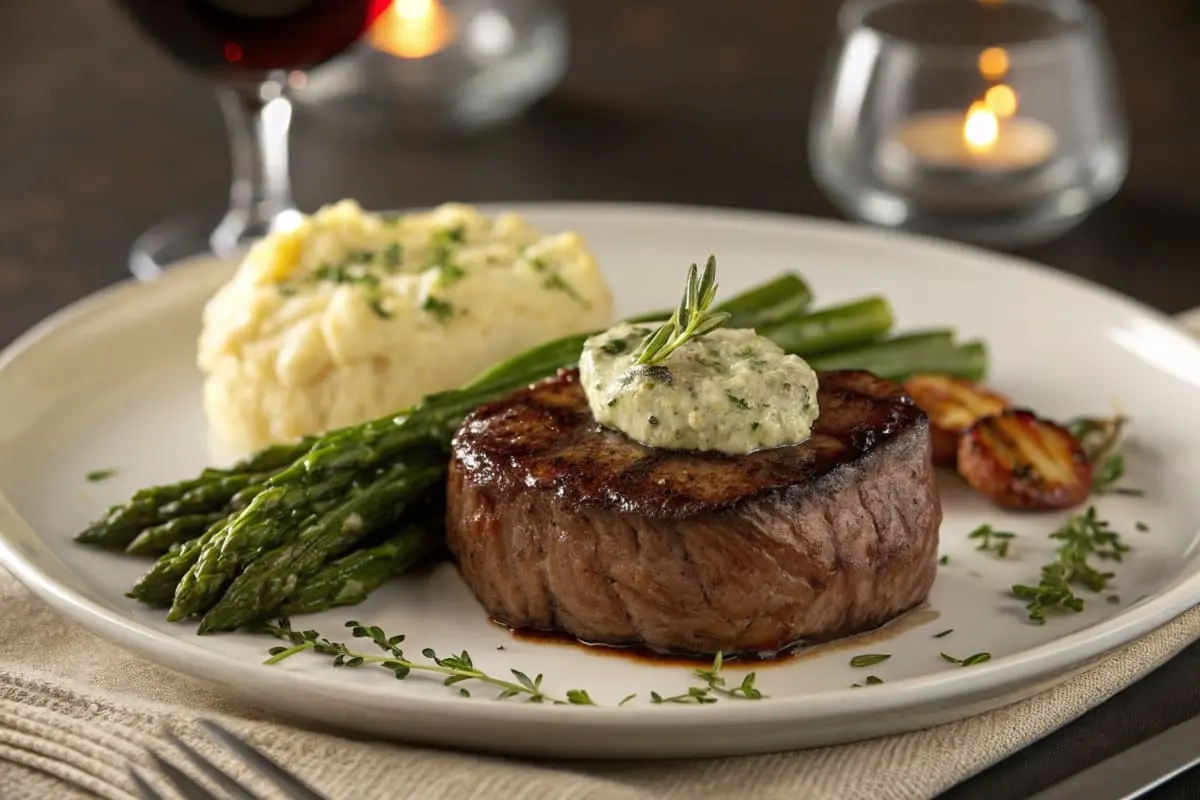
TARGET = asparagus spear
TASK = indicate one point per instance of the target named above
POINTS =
(834, 328)
(265, 523)
(155, 505)
(273, 577)
(351, 578)
(899, 357)
(156, 540)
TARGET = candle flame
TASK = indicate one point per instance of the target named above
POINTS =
(981, 128)
(413, 29)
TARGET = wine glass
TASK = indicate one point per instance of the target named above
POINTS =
(248, 48)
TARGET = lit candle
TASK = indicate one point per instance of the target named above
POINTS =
(413, 29)
(985, 156)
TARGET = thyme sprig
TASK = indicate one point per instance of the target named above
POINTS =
(1100, 438)
(714, 685)
(992, 540)
(1083, 536)
(690, 320)
(457, 668)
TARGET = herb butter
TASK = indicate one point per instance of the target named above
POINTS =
(730, 391)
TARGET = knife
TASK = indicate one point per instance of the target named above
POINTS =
(1135, 771)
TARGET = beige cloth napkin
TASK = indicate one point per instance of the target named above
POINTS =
(74, 711)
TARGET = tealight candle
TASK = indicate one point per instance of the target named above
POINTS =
(978, 158)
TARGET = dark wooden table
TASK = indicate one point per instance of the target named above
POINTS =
(666, 100)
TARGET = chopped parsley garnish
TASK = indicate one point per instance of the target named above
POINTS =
(557, 283)
(737, 401)
(439, 308)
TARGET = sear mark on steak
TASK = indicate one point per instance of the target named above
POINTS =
(560, 524)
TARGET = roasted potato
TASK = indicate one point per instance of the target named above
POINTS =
(1020, 461)
(952, 405)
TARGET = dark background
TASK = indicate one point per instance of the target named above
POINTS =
(666, 100)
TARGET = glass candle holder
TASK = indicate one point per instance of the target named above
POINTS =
(996, 122)
(444, 66)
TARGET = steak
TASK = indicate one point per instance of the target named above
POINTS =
(559, 524)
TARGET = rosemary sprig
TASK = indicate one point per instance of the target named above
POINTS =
(690, 320)
(992, 540)
(1083, 536)
(457, 667)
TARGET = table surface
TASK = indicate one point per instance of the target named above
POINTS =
(666, 100)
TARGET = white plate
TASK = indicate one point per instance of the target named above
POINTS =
(111, 383)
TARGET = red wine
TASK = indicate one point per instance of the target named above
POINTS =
(238, 39)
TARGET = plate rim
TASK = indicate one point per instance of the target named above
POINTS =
(188, 655)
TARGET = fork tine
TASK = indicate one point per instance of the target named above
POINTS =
(259, 761)
(186, 786)
(144, 789)
(231, 786)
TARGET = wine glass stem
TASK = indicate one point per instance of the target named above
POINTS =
(260, 199)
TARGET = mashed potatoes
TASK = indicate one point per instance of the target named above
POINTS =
(352, 315)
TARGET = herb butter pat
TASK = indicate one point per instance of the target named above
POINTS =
(730, 391)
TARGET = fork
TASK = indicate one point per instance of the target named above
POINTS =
(289, 784)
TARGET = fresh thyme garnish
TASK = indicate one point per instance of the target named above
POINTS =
(1099, 439)
(715, 684)
(969, 661)
(871, 680)
(992, 540)
(1141, 527)
(1082, 536)
(439, 308)
(946, 632)
(1113, 598)
(1108, 473)
(457, 668)
(869, 659)
(944, 560)
(690, 320)
(97, 475)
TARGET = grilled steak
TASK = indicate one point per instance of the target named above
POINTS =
(559, 524)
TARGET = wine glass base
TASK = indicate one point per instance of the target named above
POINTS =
(171, 242)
